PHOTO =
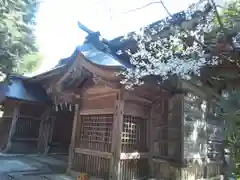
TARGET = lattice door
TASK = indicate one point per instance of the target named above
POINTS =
(96, 132)
(134, 134)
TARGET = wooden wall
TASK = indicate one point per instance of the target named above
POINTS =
(111, 136)
(93, 135)
(27, 128)
(122, 134)
(21, 121)
(166, 137)
(5, 122)
(181, 130)
(119, 134)
(56, 130)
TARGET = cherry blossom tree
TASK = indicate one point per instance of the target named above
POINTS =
(185, 43)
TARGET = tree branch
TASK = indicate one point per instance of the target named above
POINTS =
(142, 7)
(164, 7)
(194, 38)
(218, 17)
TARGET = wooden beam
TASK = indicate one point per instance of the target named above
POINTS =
(30, 117)
(24, 139)
(134, 155)
(39, 103)
(202, 91)
(69, 71)
(96, 111)
(193, 88)
(13, 127)
(131, 96)
(106, 155)
(116, 137)
(100, 95)
(159, 160)
(99, 80)
(73, 137)
(135, 109)
(96, 90)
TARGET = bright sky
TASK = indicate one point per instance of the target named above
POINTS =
(58, 34)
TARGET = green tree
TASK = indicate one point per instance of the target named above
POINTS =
(29, 63)
(231, 106)
(17, 39)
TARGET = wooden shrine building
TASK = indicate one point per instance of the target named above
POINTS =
(80, 108)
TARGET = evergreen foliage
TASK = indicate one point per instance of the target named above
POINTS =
(17, 39)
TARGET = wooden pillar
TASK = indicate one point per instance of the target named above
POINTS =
(49, 135)
(42, 131)
(117, 137)
(73, 138)
(13, 126)
(150, 139)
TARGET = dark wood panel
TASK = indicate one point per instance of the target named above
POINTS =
(94, 165)
(27, 128)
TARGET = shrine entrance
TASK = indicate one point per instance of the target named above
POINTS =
(62, 122)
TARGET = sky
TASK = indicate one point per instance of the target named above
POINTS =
(58, 34)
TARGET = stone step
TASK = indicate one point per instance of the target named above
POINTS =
(19, 177)
(4, 176)
(12, 165)
(30, 175)
(43, 176)
(58, 166)
(58, 177)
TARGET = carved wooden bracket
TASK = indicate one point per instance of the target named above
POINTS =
(96, 79)
(99, 80)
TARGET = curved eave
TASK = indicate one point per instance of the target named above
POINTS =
(107, 72)
(48, 74)
(99, 56)
(100, 66)
(55, 71)
(96, 62)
